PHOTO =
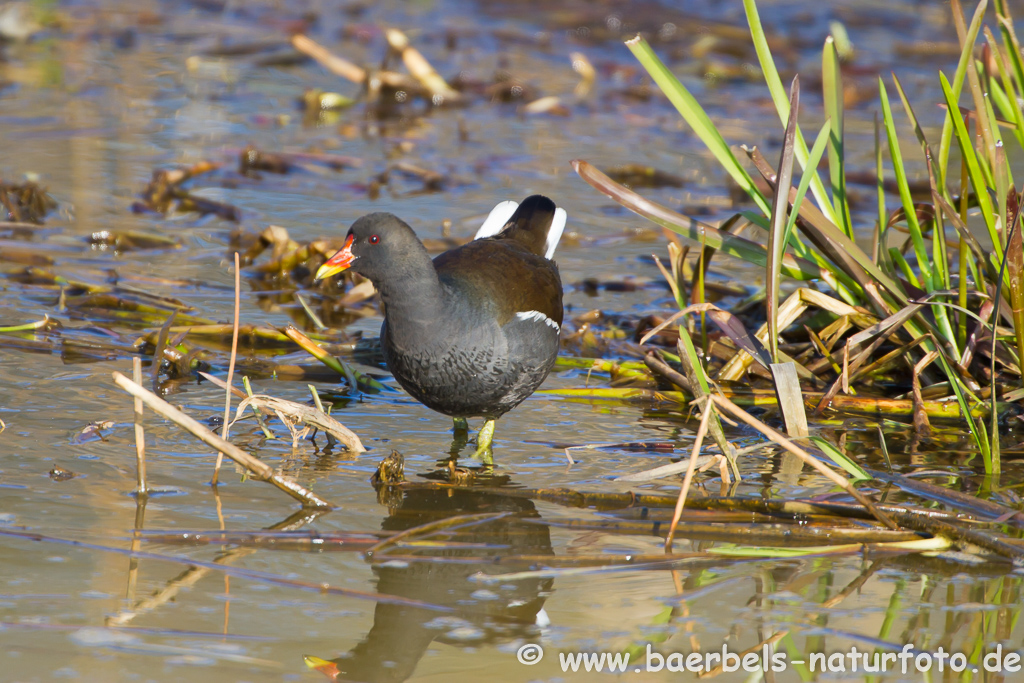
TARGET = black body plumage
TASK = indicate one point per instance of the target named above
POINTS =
(475, 331)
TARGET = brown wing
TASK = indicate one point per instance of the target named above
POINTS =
(503, 276)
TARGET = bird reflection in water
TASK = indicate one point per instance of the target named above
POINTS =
(483, 613)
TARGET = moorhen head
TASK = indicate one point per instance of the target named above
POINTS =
(474, 331)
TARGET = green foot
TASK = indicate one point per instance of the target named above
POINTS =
(483, 443)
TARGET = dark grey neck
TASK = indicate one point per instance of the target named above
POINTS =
(413, 299)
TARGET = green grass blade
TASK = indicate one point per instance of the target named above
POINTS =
(939, 256)
(981, 103)
(973, 168)
(923, 262)
(693, 369)
(966, 60)
(977, 427)
(780, 204)
(1004, 93)
(997, 157)
(696, 117)
(1013, 47)
(881, 254)
(817, 150)
(778, 94)
(726, 243)
(832, 87)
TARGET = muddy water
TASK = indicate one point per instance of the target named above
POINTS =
(125, 88)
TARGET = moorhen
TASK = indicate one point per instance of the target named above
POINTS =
(474, 331)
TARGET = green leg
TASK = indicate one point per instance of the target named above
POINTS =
(460, 424)
(483, 443)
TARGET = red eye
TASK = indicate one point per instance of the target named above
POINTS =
(374, 239)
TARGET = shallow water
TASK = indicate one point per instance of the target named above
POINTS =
(93, 109)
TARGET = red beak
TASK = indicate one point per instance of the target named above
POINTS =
(339, 262)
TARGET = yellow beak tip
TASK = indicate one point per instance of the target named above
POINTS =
(325, 271)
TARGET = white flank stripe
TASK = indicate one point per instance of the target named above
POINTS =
(539, 317)
(555, 233)
(497, 219)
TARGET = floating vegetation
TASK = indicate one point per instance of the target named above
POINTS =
(165, 194)
(25, 202)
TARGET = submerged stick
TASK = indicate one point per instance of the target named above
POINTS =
(806, 457)
(259, 469)
(231, 370)
(140, 434)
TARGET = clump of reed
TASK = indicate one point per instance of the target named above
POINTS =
(938, 297)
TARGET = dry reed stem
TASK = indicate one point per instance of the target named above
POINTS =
(231, 370)
(328, 60)
(140, 434)
(260, 470)
(420, 68)
(790, 398)
(697, 443)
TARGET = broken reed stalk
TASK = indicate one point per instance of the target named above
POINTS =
(231, 371)
(331, 62)
(259, 469)
(790, 398)
(697, 443)
(806, 457)
(140, 435)
(420, 68)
